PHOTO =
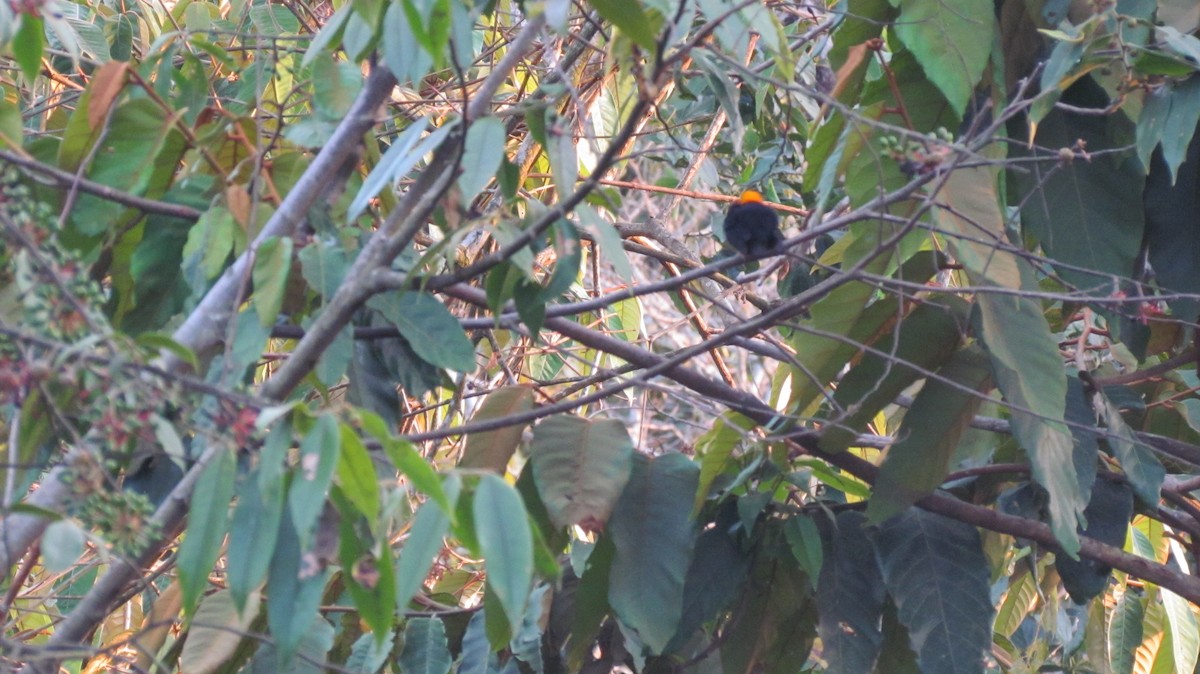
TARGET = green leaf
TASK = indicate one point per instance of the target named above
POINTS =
(293, 594)
(216, 632)
(405, 457)
(609, 240)
(12, 128)
(256, 518)
(368, 654)
(207, 524)
(972, 210)
(482, 154)
(423, 545)
(560, 148)
(335, 86)
(804, 539)
(406, 150)
(27, 45)
(425, 650)
(715, 576)
(591, 601)
(1085, 213)
(274, 20)
(1184, 632)
(323, 264)
(210, 242)
(1144, 471)
(319, 452)
(491, 450)
(505, 540)
(1168, 119)
(631, 20)
(580, 467)
(929, 434)
(369, 579)
(1029, 372)
(952, 42)
(402, 53)
(568, 253)
(431, 330)
(356, 474)
(937, 575)
(923, 340)
(272, 263)
(1125, 631)
(715, 451)
(776, 616)
(62, 545)
(336, 358)
(651, 528)
(850, 593)
(477, 656)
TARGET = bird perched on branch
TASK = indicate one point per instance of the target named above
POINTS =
(752, 227)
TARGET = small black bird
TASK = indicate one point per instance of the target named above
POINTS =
(752, 227)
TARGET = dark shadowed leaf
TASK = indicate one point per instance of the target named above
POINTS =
(651, 528)
(929, 434)
(935, 571)
(850, 593)
(425, 650)
(432, 331)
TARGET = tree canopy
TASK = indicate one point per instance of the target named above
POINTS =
(403, 336)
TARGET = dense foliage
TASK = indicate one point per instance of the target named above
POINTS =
(399, 335)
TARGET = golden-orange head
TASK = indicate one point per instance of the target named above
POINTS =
(750, 197)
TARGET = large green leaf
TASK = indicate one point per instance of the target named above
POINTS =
(1168, 120)
(491, 450)
(580, 466)
(319, 452)
(423, 545)
(716, 575)
(922, 341)
(936, 573)
(408, 149)
(256, 518)
(356, 474)
(1125, 631)
(208, 522)
(916, 465)
(431, 330)
(776, 614)
(482, 154)
(652, 530)
(850, 593)
(974, 227)
(502, 527)
(1087, 214)
(1144, 471)
(293, 595)
(425, 649)
(272, 264)
(715, 448)
(951, 40)
(631, 19)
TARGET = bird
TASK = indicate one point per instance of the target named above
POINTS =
(751, 226)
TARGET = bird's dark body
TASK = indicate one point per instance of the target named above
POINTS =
(752, 228)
